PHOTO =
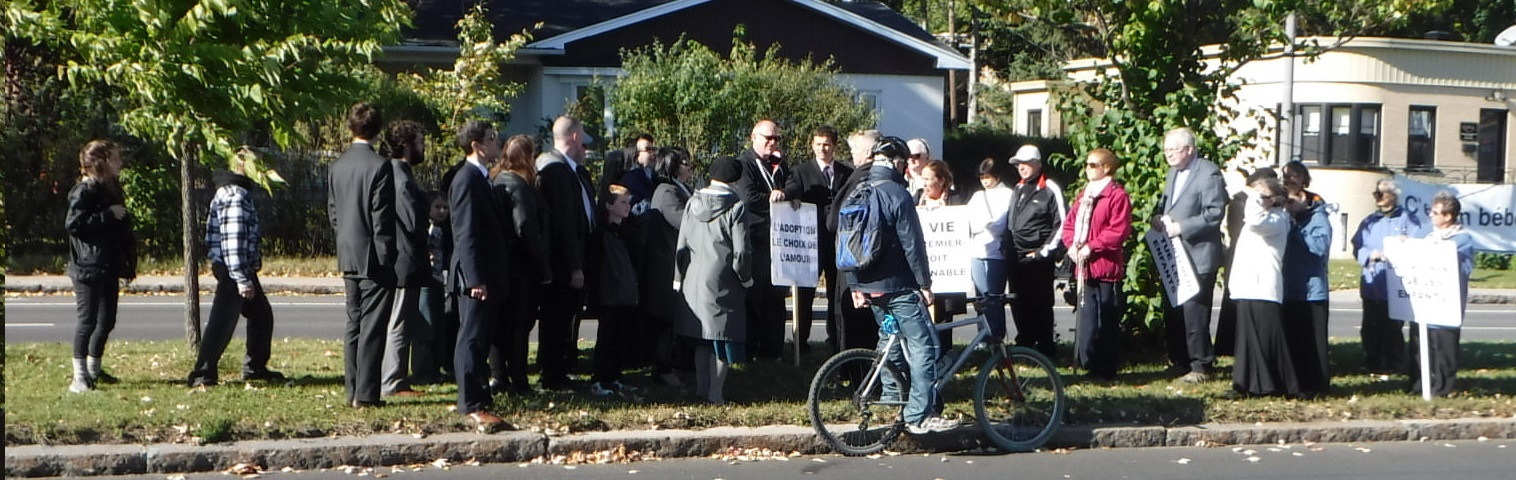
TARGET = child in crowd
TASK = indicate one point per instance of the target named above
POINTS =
(614, 293)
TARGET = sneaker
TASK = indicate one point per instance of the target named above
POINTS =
(264, 375)
(599, 389)
(930, 425)
(81, 384)
(1195, 377)
(622, 387)
(201, 382)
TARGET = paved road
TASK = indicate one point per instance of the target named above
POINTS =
(1462, 460)
(51, 318)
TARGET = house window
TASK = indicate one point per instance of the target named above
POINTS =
(1420, 139)
(1339, 134)
(869, 98)
(1034, 122)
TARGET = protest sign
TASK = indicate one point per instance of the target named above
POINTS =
(1423, 284)
(1174, 266)
(1488, 213)
(792, 233)
(947, 238)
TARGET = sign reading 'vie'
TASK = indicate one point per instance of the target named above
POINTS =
(946, 230)
(1423, 281)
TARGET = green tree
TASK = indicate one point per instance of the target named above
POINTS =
(1160, 78)
(685, 94)
(195, 75)
(475, 87)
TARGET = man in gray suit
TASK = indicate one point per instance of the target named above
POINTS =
(361, 203)
(1193, 203)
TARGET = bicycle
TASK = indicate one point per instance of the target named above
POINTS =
(1018, 394)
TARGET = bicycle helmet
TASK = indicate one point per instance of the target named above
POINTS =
(891, 148)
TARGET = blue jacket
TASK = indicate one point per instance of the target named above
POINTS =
(1305, 253)
(902, 265)
(1370, 237)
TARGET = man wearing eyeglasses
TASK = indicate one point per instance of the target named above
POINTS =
(640, 180)
(764, 174)
(1193, 203)
(1383, 344)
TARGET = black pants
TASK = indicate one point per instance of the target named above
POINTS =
(439, 309)
(618, 329)
(1305, 328)
(557, 346)
(828, 264)
(225, 309)
(1032, 311)
(476, 322)
(508, 353)
(1442, 344)
(859, 330)
(368, 316)
(1099, 341)
(96, 302)
(1383, 344)
(1187, 327)
(765, 304)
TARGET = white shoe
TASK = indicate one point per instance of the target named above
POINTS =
(931, 424)
(599, 390)
(81, 384)
(624, 388)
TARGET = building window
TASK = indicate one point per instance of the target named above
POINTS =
(1338, 134)
(869, 98)
(1034, 122)
(1421, 139)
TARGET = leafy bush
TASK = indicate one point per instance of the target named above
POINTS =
(1492, 261)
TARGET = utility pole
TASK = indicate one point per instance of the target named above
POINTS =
(1286, 130)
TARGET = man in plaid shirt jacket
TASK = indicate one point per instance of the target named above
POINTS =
(232, 235)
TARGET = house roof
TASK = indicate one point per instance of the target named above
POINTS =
(566, 21)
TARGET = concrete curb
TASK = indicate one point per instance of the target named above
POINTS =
(511, 447)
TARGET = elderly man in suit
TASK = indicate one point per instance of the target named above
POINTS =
(764, 174)
(478, 271)
(817, 182)
(361, 204)
(567, 188)
(1193, 203)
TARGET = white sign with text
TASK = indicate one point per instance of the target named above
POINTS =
(792, 233)
(1174, 266)
(1423, 281)
(947, 238)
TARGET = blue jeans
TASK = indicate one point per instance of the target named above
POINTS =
(921, 350)
(988, 275)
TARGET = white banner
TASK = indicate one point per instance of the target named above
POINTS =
(792, 233)
(1174, 266)
(1489, 211)
(1423, 281)
(947, 237)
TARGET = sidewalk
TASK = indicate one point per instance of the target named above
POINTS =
(58, 284)
(516, 447)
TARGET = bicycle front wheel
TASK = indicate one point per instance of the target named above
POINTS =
(857, 401)
(1019, 399)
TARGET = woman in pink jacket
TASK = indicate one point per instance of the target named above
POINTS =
(1098, 223)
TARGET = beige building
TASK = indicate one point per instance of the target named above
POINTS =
(1435, 111)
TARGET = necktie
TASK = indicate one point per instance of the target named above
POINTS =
(828, 173)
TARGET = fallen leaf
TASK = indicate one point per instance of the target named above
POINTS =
(1183, 461)
(1254, 459)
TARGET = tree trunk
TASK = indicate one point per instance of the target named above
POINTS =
(191, 270)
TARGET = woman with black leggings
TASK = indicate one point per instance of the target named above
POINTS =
(102, 249)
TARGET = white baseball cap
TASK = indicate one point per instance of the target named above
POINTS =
(1027, 153)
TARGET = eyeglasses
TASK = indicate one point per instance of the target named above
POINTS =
(1379, 194)
(771, 138)
(1174, 149)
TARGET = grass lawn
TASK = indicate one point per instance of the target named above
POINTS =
(1344, 275)
(153, 405)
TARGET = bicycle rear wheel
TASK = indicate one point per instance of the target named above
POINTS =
(853, 411)
(1019, 399)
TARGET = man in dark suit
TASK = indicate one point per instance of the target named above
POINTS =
(764, 174)
(478, 271)
(1193, 203)
(817, 182)
(361, 204)
(405, 145)
(566, 186)
(638, 178)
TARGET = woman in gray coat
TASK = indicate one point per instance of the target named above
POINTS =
(713, 271)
